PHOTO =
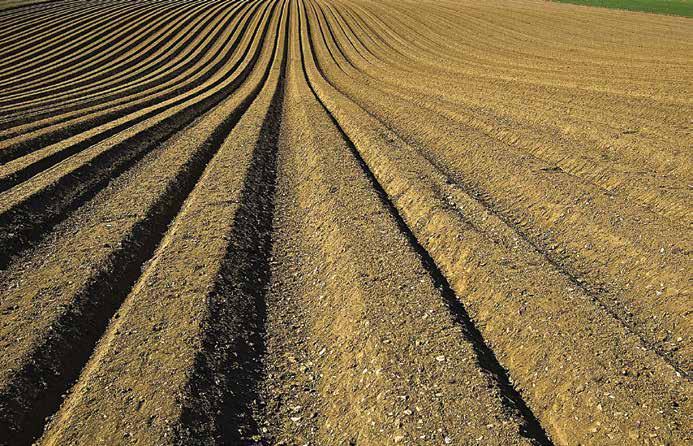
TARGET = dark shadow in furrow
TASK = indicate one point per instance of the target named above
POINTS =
(30, 31)
(47, 10)
(165, 20)
(102, 18)
(148, 87)
(35, 30)
(67, 59)
(351, 36)
(185, 43)
(531, 428)
(596, 292)
(183, 16)
(357, 23)
(92, 27)
(14, 22)
(223, 392)
(27, 146)
(343, 53)
(33, 5)
(30, 145)
(29, 103)
(329, 48)
(336, 43)
(30, 220)
(172, 35)
(36, 391)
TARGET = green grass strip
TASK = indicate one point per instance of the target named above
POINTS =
(671, 7)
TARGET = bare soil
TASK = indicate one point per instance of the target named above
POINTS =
(344, 222)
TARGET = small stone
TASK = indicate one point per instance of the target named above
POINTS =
(440, 358)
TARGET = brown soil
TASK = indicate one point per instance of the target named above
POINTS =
(344, 222)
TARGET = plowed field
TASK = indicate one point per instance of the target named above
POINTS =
(344, 222)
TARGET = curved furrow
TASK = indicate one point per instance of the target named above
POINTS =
(590, 106)
(572, 90)
(352, 37)
(622, 312)
(344, 222)
(138, 50)
(41, 26)
(339, 61)
(595, 108)
(485, 359)
(153, 52)
(515, 325)
(28, 8)
(632, 308)
(417, 39)
(402, 46)
(38, 81)
(48, 31)
(40, 368)
(91, 45)
(182, 64)
(52, 47)
(235, 196)
(29, 209)
(16, 20)
(92, 128)
(612, 178)
(358, 29)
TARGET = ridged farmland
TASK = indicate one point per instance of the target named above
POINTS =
(344, 222)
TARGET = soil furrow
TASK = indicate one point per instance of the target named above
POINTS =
(486, 358)
(102, 81)
(18, 26)
(141, 48)
(42, 368)
(543, 210)
(611, 177)
(49, 28)
(38, 205)
(227, 218)
(338, 374)
(344, 222)
(17, 65)
(505, 316)
(200, 73)
(194, 66)
(28, 6)
(128, 27)
(89, 130)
